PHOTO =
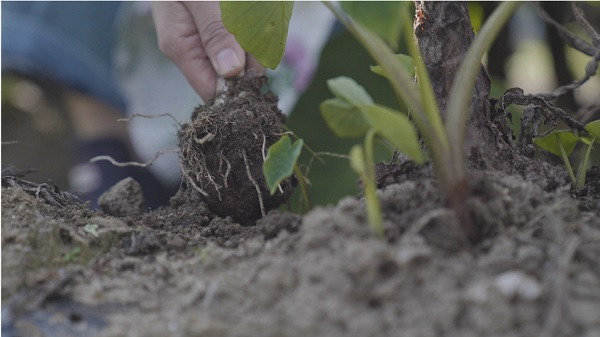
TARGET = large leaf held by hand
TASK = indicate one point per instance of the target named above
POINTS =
(395, 128)
(280, 161)
(343, 118)
(260, 27)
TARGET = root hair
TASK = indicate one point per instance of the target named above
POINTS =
(258, 192)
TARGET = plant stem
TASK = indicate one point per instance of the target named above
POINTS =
(371, 200)
(582, 170)
(435, 138)
(430, 106)
(565, 158)
(303, 188)
(464, 82)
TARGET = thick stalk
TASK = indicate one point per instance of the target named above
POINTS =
(464, 82)
(429, 125)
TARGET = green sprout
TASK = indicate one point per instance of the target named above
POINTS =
(561, 143)
(72, 254)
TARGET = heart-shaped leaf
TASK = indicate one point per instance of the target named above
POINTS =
(395, 128)
(260, 27)
(550, 142)
(280, 161)
(593, 128)
(343, 118)
(347, 89)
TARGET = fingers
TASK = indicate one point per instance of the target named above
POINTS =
(192, 35)
(252, 65)
(226, 55)
(179, 40)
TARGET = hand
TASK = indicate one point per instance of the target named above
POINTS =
(192, 35)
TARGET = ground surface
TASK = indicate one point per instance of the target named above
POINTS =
(182, 271)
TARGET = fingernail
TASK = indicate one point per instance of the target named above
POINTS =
(227, 60)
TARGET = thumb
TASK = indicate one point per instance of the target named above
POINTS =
(226, 55)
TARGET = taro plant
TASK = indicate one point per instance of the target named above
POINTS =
(261, 28)
(352, 113)
(561, 143)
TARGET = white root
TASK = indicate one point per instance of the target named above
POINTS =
(260, 198)
(227, 171)
(189, 179)
(134, 163)
(207, 138)
(211, 179)
(264, 145)
(149, 116)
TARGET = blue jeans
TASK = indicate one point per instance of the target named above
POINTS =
(68, 42)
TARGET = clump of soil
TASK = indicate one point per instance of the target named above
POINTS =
(224, 146)
(124, 198)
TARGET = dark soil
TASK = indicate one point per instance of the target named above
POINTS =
(224, 146)
(204, 267)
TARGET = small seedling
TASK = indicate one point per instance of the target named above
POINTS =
(91, 229)
(72, 254)
(561, 143)
(352, 114)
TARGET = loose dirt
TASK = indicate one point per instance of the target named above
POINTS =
(183, 271)
(204, 267)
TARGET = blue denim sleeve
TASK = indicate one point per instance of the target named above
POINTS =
(68, 42)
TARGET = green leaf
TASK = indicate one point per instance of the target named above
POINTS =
(71, 255)
(280, 161)
(259, 27)
(406, 62)
(379, 17)
(593, 128)
(91, 229)
(347, 89)
(344, 119)
(357, 160)
(396, 128)
(477, 15)
(550, 143)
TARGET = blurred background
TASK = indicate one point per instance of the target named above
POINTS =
(528, 54)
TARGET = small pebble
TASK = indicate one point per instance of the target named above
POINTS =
(123, 199)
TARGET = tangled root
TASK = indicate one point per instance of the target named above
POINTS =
(223, 149)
